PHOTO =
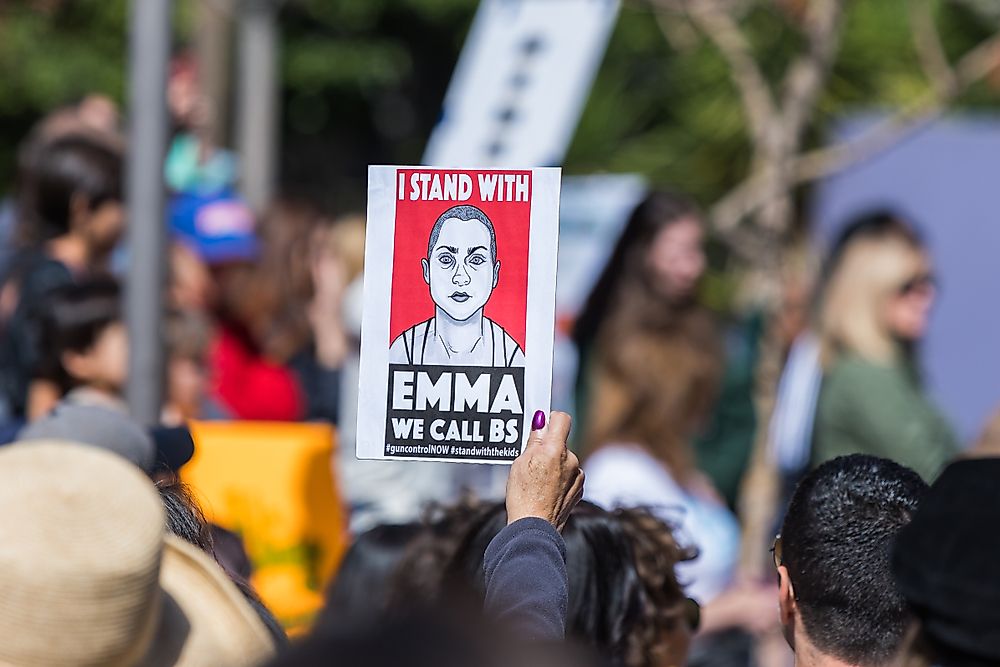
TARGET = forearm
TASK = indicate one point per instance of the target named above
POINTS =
(526, 582)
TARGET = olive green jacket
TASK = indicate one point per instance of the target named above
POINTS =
(881, 410)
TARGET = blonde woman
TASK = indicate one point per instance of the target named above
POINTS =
(875, 311)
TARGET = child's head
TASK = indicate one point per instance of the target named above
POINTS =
(188, 337)
(84, 341)
(74, 187)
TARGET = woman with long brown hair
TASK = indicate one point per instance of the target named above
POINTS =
(651, 353)
(652, 362)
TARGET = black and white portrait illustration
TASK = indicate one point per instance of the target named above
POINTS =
(461, 270)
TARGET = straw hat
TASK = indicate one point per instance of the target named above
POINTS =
(88, 578)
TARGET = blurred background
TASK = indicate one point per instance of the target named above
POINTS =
(239, 134)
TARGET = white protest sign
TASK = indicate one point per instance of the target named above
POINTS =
(459, 312)
(521, 82)
(593, 212)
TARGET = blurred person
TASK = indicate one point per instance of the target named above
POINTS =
(280, 318)
(945, 565)
(186, 520)
(792, 422)
(428, 638)
(249, 377)
(84, 341)
(92, 420)
(85, 358)
(189, 335)
(84, 353)
(89, 577)
(653, 371)
(648, 345)
(785, 454)
(623, 599)
(838, 602)
(101, 425)
(766, 485)
(875, 310)
(643, 316)
(70, 206)
(70, 217)
(159, 452)
(99, 113)
(94, 117)
(525, 562)
(362, 586)
(337, 262)
(526, 585)
(191, 285)
(310, 327)
(195, 163)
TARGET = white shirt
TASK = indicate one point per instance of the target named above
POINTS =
(629, 476)
(421, 344)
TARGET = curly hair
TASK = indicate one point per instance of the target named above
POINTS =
(656, 552)
(623, 593)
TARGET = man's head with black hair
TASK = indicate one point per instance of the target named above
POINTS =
(72, 187)
(836, 591)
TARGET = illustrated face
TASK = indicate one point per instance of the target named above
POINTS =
(460, 270)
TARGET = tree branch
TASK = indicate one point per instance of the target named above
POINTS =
(752, 193)
(721, 28)
(975, 65)
(680, 36)
(930, 51)
(808, 73)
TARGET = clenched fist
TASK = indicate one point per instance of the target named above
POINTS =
(545, 481)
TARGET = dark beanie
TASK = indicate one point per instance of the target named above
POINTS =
(947, 561)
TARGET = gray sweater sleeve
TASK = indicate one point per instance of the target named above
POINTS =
(526, 582)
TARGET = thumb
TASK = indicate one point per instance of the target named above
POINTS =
(537, 430)
(560, 424)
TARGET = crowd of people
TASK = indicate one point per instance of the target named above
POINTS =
(624, 544)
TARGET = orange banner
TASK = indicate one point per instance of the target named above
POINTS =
(273, 484)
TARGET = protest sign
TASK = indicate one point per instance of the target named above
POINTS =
(521, 82)
(459, 311)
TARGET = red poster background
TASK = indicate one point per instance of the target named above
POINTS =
(411, 299)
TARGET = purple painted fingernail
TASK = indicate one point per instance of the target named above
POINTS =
(538, 422)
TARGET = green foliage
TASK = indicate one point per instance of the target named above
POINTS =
(655, 110)
(54, 52)
(675, 115)
(50, 57)
(363, 82)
